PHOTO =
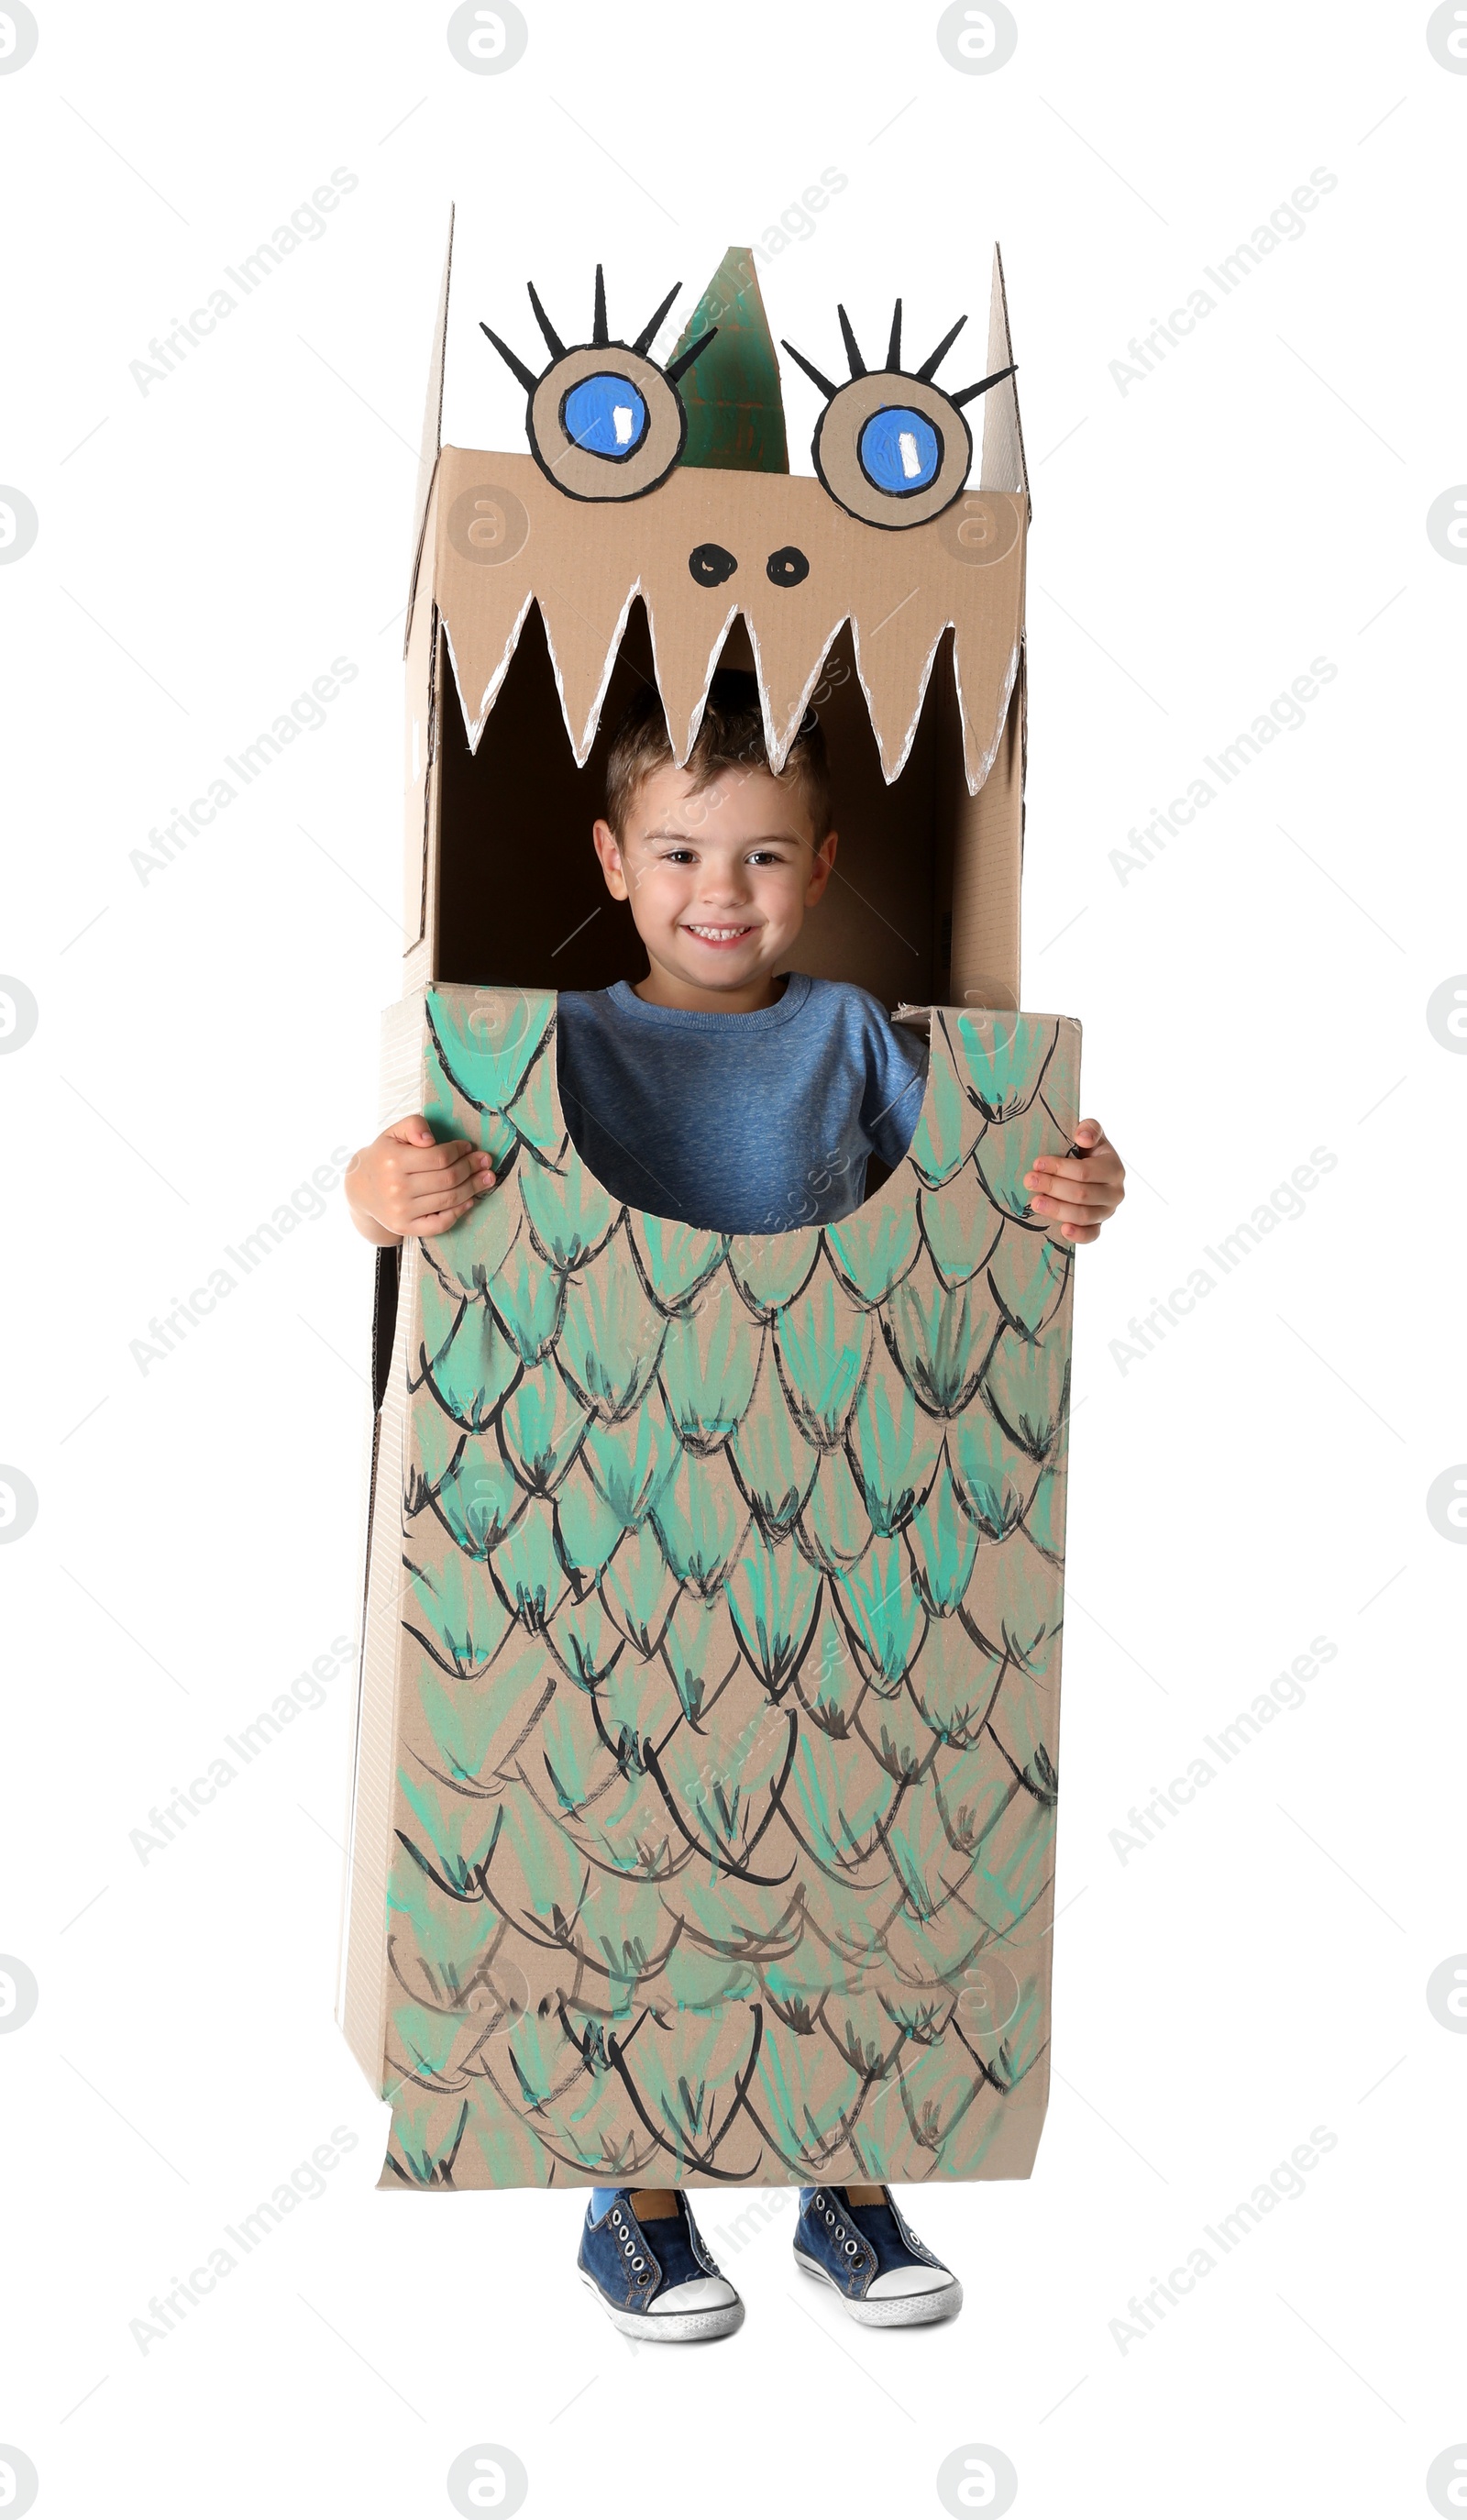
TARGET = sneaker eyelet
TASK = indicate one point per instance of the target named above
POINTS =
(840, 2231)
(851, 2250)
(638, 2264)
(830, 2217)
(616, 2213)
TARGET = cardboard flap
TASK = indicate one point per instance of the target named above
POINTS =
(1001, 464)
(432, 426)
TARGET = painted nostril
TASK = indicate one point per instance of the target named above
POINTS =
(787, 565)
(710, 564)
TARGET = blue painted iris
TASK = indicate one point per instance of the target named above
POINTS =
(899, 450)
(606, 415)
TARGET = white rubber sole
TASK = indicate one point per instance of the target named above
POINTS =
(904, 2310)
(668, 2326)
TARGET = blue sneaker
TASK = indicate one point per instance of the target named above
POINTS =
(871, 2257)
(656, 2279)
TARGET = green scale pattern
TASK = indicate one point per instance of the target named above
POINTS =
(728, 1680)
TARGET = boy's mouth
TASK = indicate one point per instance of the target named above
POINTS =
(709, 934)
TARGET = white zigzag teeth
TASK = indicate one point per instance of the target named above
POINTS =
(584, 563)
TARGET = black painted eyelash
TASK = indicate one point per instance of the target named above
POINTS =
(893, 362)
(604, 426)
(892, 447)
(601, 339)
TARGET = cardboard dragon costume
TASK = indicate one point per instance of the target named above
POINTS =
(703, 1824)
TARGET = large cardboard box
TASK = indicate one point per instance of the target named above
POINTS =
(704, 1817)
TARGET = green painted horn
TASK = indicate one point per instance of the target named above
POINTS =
(735, 410)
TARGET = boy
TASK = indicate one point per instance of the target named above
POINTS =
(733, 1093)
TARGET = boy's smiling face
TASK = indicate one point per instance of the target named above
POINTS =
(719, 879)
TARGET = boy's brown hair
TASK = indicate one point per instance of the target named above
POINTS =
(730, 736)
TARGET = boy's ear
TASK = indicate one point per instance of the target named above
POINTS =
(608, 850)
(822, 867)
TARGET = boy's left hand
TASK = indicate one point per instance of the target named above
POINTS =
(1077, 1193)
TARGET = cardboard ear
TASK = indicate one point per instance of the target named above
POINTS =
(1002, 465)
(432, 426)
(732, 397)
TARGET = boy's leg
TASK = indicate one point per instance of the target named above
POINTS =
(648, 2204)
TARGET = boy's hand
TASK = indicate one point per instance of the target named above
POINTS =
(408, 1182)
(1079, 1191)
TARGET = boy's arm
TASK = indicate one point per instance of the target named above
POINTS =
(409, 1182)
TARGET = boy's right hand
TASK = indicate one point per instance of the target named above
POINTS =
(410, 1181)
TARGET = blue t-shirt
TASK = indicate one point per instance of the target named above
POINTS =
(742, 1123)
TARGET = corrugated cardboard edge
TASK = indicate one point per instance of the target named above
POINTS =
(432, 431)
(362, 1984)
(985, 897)
(421, 749)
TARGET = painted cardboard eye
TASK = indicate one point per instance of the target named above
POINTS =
(891, 447)
(892, 450)
(603, 420)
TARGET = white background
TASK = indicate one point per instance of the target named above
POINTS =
(206, 1038)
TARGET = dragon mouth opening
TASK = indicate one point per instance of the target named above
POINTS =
(520, 895)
